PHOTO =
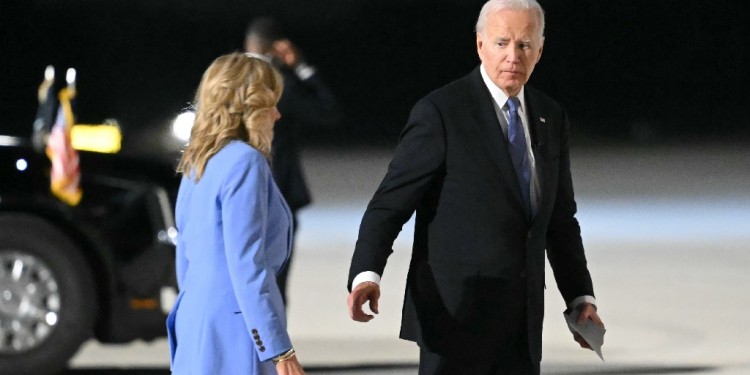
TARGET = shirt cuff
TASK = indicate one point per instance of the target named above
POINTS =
(364, 277)
(304, 71)
(590, 299)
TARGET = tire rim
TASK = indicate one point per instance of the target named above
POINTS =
(29, 302)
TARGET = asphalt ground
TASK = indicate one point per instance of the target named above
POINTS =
(667, 236)
(412, 370)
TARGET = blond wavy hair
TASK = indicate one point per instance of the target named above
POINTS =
(235, 101)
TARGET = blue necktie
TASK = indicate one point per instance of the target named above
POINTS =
(518, 152)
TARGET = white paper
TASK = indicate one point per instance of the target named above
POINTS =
(590, 331)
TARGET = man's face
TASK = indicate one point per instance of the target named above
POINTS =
(510, 48)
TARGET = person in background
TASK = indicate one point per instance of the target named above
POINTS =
(484, 161)
(307, 102)
(234, 230)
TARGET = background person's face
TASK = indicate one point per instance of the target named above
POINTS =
(510, 48)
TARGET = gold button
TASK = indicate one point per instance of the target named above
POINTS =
(262, 349)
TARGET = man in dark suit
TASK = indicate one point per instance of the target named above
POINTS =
(484, 162)
(306, 101)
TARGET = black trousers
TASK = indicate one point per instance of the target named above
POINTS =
(512, 359)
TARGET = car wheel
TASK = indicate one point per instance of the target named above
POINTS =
(47, 296)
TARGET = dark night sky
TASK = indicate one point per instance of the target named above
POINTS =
(679, 67)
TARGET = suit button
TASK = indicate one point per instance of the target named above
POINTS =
(256, 337)
(255, 332)
(529, 236)
(259, 343)
(523, 274)
(262, 349)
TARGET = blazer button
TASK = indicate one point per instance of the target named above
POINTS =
(256, 337)
(259, 343)
(262, 349)
(255, 332)
(523, 274)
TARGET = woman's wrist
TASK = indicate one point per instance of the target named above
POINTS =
(284, 357)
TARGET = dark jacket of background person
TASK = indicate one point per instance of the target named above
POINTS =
(306, 102)
(476, 278)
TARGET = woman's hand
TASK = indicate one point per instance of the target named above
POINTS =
(290, 367)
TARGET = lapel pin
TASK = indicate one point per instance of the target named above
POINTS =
(542, 120)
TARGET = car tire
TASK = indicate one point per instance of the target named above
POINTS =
(75, 291)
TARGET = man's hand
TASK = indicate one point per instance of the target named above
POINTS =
(287, 53)
(587, 311)
(366, 291)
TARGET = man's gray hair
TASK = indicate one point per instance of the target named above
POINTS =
(493, 6)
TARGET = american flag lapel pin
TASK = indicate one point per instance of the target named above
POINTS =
(542, 120)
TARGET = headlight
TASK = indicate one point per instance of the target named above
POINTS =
(182, 126)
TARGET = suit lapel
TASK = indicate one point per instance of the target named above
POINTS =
(539, 132)
(487, 123)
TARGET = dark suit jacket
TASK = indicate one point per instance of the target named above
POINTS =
(476, 278)
(303, 103)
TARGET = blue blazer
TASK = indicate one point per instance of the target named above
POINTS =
(235, 232)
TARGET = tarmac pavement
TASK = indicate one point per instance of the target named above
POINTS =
(667, 236)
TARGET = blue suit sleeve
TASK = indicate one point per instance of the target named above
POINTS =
(181, 266)
(244, 214)
(181, 261)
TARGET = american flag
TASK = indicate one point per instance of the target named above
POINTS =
(66, 173)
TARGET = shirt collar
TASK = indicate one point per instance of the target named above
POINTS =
(499, 95)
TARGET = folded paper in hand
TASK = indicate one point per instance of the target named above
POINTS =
(590, 331)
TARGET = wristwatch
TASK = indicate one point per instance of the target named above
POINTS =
(304, 71)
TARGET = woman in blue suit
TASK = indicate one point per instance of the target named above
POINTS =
(234, 230)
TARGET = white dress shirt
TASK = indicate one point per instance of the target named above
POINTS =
(499, 102)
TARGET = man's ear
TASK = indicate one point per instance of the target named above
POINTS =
(480, 43)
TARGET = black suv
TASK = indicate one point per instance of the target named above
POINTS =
(103, 269)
